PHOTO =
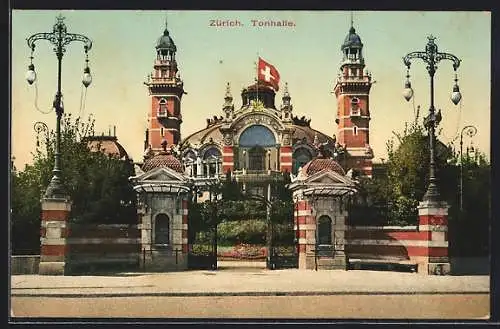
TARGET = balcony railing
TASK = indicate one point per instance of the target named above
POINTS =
(249, 175)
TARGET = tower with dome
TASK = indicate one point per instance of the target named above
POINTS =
(255, 141)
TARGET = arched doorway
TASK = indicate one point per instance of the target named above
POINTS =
(257, 158)
(162, 230)
(325, 231)
(324, 237)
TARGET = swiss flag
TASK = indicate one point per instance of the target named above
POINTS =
(267, 73)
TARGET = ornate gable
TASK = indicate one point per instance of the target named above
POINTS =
(162, 174)
(329, 177)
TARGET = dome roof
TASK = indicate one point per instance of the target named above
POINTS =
(108, 145)
(162, 159)
(205, 135)
(319, 164)
(352, 40)
(261, 86)
(300, 134)
(166, 42)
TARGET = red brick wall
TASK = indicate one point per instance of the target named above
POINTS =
(403, 244)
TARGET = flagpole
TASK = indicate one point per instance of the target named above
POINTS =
(257, 77)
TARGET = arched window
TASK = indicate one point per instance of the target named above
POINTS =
(162, 111)
(355, 130)
(257, 135)
(190, 162)
(355, 110)
(324, 230)
(301, 156)
(162, 229)
(212, 156)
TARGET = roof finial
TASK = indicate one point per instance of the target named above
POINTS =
(316, 139)
(166, 25)
(352, 30)
(228, 90)
(164, 144)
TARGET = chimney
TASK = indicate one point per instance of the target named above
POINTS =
(114, 131)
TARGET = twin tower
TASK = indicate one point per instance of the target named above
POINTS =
(352, 89)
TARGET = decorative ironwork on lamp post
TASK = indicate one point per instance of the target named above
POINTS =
(432, 57)
(470, 131)
(41, 127)
(60, 38)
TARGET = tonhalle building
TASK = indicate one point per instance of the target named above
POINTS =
(256, 141)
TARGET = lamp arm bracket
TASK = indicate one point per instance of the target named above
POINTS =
(416, 54)
(59, 40)
(454, 59)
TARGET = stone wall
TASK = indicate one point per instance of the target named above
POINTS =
(24, 264)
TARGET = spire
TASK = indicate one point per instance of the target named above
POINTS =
(286, 96)
(228, 98)
(228, 91)
(228, 104)
(166, 26)
(316, 139)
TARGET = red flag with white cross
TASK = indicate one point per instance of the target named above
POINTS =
(267, 73)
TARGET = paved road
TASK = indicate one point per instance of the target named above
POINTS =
(253, 281)
(253, 292)
(457, 307)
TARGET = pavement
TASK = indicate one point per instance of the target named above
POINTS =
(246, 279)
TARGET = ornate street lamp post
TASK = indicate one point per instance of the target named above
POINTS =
(41, 127)
(60, 39)
(431, 57)
(471, 131)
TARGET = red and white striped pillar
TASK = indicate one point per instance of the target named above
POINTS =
(54, 232)
(286, 153)
(433, 218)
(184, 210)
(227, 159)
(305, 230)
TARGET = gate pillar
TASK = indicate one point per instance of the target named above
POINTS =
(305, 230)
(53, 236)
(433, 258)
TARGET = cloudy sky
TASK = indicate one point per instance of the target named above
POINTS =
(307, 56)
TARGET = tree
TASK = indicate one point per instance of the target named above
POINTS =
(469, 228)
(97, 184)
(395, 195)
(407, 176)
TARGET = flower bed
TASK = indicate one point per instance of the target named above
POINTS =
(242, 252)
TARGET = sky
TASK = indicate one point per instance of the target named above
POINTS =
(307, 56)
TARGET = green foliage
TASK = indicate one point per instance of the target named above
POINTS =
(96, 183)
(408, 172)
(392, 198)
(26, 190)
(248, 231)
(238, 217)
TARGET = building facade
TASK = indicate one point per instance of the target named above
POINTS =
(258, 134)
